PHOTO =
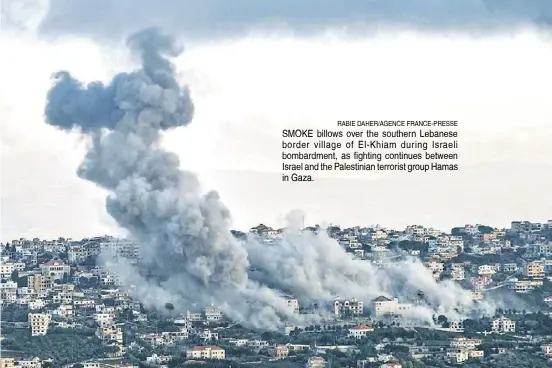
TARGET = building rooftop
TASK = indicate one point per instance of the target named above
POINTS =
(362, 328)
(55, 262)
(208, 347)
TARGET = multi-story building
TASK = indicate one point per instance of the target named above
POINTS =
(382, 306)
(503, 325)
(279, 351)
(110, 333)
(343, 307)
(436, 268)
(458, 355)
(121, 247)
(8, 292)
(55, 269)
(534, 269)
(486, 270)
(108, 278)
(6, 269)
(523, 286)
(547, 350)
(523, 226)
(194, 316)
(63, 297)
(456, 325)
(38, 323)
(456, 242)
(104, 319)
(510, 267)
(213, 314)
(541, 248)
(208, 335)
(292, 303)
(206, 352)
(457, 271)
(477, 295)
(7, 362)
(465, 343)
(480, 282)
(40, 284)
(65, 311)
(79, 253)
(415, 230)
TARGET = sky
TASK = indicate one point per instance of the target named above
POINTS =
(260, 67)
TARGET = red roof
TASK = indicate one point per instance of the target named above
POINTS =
(362, 327)
(55, 262)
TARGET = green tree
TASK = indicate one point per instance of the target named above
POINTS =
(483, 229)
(14, 276)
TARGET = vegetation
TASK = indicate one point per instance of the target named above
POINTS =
(63, 347)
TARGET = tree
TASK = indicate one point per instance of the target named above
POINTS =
(22, 281)
(14, 276)
(347, 314)
(90, 261)
(457, 231)
(483, 229)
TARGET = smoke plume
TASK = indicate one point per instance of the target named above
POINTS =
(190, 257)
(189, 253)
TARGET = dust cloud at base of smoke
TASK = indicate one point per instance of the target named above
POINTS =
(190, 257)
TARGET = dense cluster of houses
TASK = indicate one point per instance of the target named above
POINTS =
(59, 291)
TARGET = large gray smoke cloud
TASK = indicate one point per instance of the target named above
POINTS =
(190, 255)
(188, 250)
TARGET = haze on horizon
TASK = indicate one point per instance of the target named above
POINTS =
(248, 86)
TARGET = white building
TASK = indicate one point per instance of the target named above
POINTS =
(457, 271)
(465, 343)
(547, 350)
(55, 269)
(6, 270)
(503, 325)
(65, 311)
(486, 270)
(209, 335)
(436, 268)
(343, 307)
(382, 306)
(213, 314)
(8, 292)
(316, 362)
(206, 352)
(38, 323)
(359, 332)
(292, 303)
(456, 325)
